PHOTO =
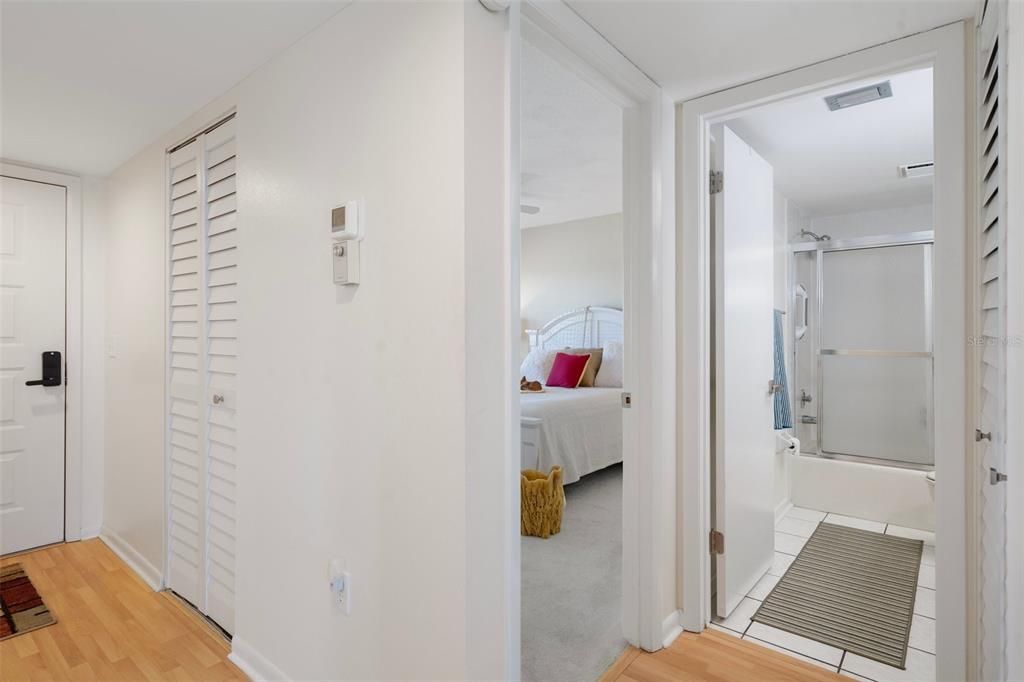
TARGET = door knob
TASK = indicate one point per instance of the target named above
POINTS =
(51, 370)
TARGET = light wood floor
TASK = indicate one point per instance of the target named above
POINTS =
(714, 656)
(110, 625)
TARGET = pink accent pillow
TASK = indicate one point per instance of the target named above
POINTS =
(568, 370)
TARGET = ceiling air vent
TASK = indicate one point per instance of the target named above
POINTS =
(917, 170)
(851, 98)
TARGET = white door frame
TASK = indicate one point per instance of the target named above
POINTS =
(73, 338)
(650, 616)
(944, 49)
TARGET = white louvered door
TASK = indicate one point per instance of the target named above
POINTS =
(989, 346)
(202, 354)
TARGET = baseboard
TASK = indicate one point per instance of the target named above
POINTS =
(128, 554)
(670, 629)
(252, 662)
(782, 508)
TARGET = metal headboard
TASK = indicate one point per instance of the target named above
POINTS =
(588, 327)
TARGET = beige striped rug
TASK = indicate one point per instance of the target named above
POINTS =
(852, 589)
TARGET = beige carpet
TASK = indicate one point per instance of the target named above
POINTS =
(572, 586)
(852, 589)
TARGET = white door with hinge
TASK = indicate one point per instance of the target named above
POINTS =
(202, 352)
(32, 334)
(744, 368)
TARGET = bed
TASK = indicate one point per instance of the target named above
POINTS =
(578, 429)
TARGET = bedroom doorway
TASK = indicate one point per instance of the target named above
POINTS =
(846, 355)
(572, 297)
(637, 118)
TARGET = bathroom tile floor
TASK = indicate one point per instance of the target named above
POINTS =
(791, 532)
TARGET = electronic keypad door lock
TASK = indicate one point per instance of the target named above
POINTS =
(51, 370)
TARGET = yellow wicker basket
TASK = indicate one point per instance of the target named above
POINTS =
(542, 499)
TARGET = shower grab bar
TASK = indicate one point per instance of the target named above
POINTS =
(801, 329)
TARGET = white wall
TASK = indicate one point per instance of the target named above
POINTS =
(94, 255)
(570, 265)
(869, 223)
(354, 439)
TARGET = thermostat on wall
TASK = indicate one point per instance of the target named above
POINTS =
(345, 237)
(345, 221)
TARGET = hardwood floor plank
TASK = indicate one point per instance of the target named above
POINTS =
(714, 657)
(110, 625)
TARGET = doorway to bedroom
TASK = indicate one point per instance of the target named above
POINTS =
(571, 346)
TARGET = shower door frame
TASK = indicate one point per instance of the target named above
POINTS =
(820, 248)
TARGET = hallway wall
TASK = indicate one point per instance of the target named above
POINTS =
(356, 439)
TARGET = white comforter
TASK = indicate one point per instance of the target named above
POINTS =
(580, 428)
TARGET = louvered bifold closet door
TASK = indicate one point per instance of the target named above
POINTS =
(221, 363)
(185, 509)
(203, 352)
(990, 350)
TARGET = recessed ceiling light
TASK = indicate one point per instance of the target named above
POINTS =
(852, 98)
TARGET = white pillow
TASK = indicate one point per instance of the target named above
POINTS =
(610, 374)
(537, 365)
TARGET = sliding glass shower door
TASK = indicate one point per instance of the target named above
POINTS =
(874, 353)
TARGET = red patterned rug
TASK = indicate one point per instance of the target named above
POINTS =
(21, 607)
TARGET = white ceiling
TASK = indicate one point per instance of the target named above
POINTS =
(830, 162)
(699, 46)
(88, 84)
(571, 142)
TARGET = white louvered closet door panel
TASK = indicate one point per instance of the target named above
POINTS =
(185, 380)
(990, 350)
(221, 361)
(203, 349)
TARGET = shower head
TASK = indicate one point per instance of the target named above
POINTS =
(815, 236)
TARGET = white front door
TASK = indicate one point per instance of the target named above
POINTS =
(32, 305)
(744, 419)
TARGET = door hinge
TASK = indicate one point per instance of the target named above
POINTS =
(716, 182)
(995, 476)
(980, 435)
(716, 542)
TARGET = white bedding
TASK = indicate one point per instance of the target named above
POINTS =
(580, 429)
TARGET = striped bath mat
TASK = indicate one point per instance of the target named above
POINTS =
(852, 589)
(21, 607)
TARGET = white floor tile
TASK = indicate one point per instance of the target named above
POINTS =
(739, 619)
(801, 645)
(805, 514)
(912, 533)
(928, 555)
(926, 577)
(924, 602)
(789, 544)
(806, 659)
(863, 524)
(719, 628)
(780, 564)
(920, 668)
(765, 585)
(922, 634)
(796, 527)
